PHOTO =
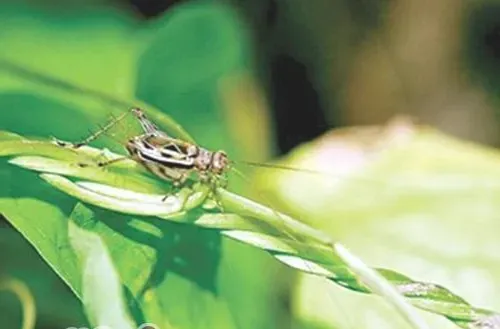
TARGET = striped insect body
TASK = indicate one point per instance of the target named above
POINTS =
(173, 159)
(166, 157)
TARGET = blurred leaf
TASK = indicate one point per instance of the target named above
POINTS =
(404, 198)
(95, 46)
(197, 45)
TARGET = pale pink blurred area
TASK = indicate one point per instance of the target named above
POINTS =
(342, 151)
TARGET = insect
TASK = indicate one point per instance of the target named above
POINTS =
(168, 158)
(173, 159)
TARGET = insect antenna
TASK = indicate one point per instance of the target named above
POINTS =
(335, 176)
(281, 167)
(319, 173)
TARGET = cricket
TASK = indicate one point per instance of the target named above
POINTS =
(166, 157)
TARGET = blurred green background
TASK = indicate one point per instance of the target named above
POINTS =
(257, 79)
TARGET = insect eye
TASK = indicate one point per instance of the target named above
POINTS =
(220, 161)
(192, 150)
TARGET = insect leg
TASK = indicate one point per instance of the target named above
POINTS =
(190, 198)
(213, 181)
(178, 178)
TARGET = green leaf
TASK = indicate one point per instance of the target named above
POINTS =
(288, 240)
(101, 287)
(165, 256)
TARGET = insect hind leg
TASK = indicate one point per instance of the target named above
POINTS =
(93, 135)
